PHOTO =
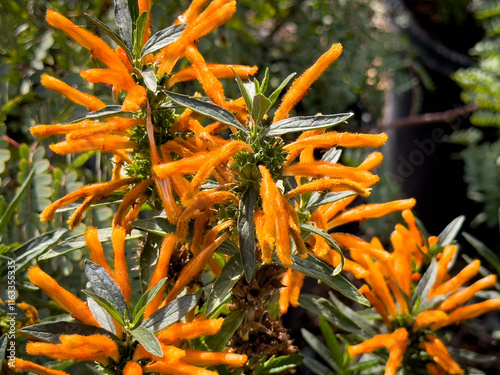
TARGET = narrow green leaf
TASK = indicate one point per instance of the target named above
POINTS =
(471, 356)
(171, 313)
(425, 284)
(104, 286)
(32, 249)
(114, 36)
(320, 349)
(229, 276)
(492, 259)
(365, 365)
(150, 80)
(106, 305)
(15, 201)
(277, 92)
(306, 123)
(157, 225)
(109, 111)
(322, 307)
(276, 365)
(232, 322)
(260, 106)
(162, 39)
(147, 339)
(3, 349)
(244, 92)
(123, 20)
(265, 82)
(332, 155)
(229, 248)
(246, 232)
(148, 257)
(349, 313)
(316, 367)
(450, 232)
(319, 270)
(207, 109)
(331, 341)
(78, 242)
(133, 8)
(140, 28)
(50, 332)
(101, 315)
(307, 228)
(318, 199)
(146, 299)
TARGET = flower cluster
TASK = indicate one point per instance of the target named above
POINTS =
(415, 308)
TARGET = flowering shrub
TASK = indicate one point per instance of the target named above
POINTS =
(239, 203)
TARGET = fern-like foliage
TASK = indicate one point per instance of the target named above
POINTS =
(481, 83)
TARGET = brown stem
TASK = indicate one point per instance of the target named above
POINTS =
(430, 118)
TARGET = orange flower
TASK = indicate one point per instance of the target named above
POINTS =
(132, 368)
(428, 318)
(98, 348)
(187, 331)
(96, 250)
(199, 358)
(218, 70)
(469, 312)
(301, 85)
(68, 301)
(27, 366)
(76, 96)
(466, 294)
(440, 355)
(102, 143)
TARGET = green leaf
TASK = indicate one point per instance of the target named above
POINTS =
(425, 284)
(246, 232)
(147, 339)
(319, 270)
(325, 308)
(162, 39)
(276, 365)
(232, 322)
(7, 216)
(332, 155)
(277, 92)
(318, 199)
(133, 8)
(109, 111)
(32, 249)
(101, 315)
(365, 365)
(123, 20)
(244, 92)
(265, 82)
(349, 313)
(139, 31)
(450, 232)
(316, 367)
(78, 242)
(331, 341)
(50, 332)
(229, 276)
(114, 36)
(306, 123)
(320, 349)
(148, 258)
(3, 349)
(106, 305)
(104, 286)
(150, 80)
(157, 225)
(307, 228)
(260, 106)
(207, 109)
(171, 313)
(492, 259)
(146, 299)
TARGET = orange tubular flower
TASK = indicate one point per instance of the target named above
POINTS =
(301, 85)
(96, 250)
(466, 294)
(456, 282)
(440, 355)
(369, 211)
(121, 268)
(199, 358)
(469, 312)
(68, 301)
(76, 96)
(102, 143)
(177, 368)
(368, 346)
(328, 185)
(428, 318)
(376, 303)
(187, 331)
(27, 366)
(86, 39)
(98, 348)
(218, 70)
(132, 368)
